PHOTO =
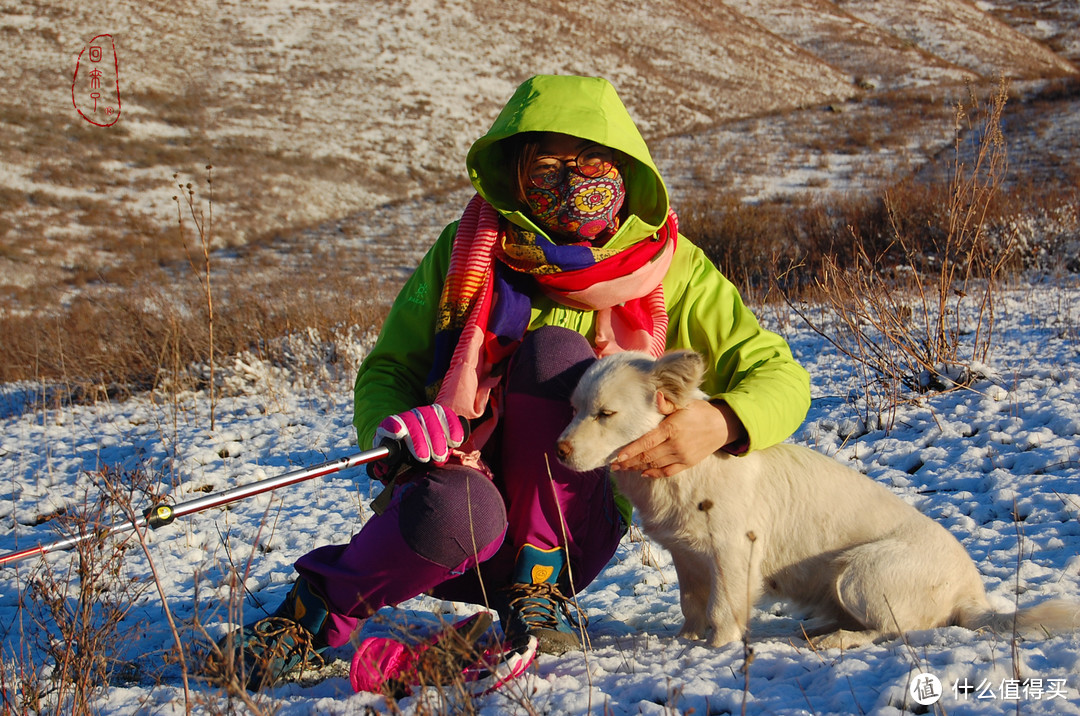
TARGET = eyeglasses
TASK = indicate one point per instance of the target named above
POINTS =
(593, 161)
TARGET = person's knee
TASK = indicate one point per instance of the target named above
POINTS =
(549, 362)
(452, 515)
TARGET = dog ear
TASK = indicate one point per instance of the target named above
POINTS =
(677, 375)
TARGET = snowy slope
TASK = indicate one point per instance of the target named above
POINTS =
(313, 109)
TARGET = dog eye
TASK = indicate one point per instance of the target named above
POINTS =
(604, 414)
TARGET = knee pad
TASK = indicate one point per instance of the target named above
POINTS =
(451, 515)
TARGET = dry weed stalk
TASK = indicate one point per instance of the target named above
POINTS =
(965, 254)
(1014, 641)
(748, 649)
(927, 323)
(228, 677)
(204, 226)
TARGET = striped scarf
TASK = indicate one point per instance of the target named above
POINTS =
(484, 309)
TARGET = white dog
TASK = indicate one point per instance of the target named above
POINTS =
(784, 520)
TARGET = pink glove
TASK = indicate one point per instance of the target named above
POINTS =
(429, 432)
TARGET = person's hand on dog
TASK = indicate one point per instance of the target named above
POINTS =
(683, 439)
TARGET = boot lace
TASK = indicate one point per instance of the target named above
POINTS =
(273, 640)
(539, 605)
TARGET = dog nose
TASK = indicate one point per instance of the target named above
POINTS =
(564, 449)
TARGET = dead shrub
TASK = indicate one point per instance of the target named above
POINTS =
(74, 611)
(918, 314)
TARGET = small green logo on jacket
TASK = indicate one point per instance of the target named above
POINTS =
(419, 294)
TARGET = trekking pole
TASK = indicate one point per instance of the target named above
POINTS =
(163, 514)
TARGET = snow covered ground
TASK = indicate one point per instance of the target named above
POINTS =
(971, 459)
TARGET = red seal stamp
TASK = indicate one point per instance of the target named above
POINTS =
(95, 89)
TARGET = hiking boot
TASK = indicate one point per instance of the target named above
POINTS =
(535, 606)
(264, 652)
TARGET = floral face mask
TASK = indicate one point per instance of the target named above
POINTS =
(579, 207)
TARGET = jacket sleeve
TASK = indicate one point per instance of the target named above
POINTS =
(392, 377)
(749, 368)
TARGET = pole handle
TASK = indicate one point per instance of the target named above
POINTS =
(396, 458)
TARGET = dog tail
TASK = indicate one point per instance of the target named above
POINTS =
(1054, 616)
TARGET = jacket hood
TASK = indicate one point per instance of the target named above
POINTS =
(586, 107)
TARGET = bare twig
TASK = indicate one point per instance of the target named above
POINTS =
(204, 228)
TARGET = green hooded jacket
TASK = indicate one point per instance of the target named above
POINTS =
(748, 367)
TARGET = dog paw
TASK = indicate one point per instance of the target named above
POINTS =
(691, 632)
(844, 639)
(723, 637)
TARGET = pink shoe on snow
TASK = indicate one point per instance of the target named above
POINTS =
(453, 656)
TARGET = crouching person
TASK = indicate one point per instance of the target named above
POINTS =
(568, 251)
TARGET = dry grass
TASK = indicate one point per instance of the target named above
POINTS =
(78, 619)
(116, 339)
(905, 284)
(76, 625)
(786, 239)
(130, 326)
(124, 342)
(73, 615)
(103, 294)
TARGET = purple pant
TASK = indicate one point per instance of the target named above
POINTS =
(451, 532)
